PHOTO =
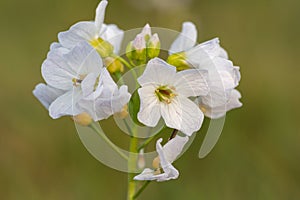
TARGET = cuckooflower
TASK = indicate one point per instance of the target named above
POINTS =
(222, 77)
(105, 38)
(75, 79)
(165, 93)
(167, 154)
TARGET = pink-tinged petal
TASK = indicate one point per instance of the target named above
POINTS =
(81, 31)
(65, 104)
(149, 113)
(159, 72)
(191, 82)
(100, 12)
(186, 39)
(182, 114)
(46, 94)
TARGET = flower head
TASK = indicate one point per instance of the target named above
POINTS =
(163, 168)
(77, 78)
(164, 93)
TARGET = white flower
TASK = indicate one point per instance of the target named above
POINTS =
(165, 93)
(77, 78)
(93, 32)
(223, 76)
(166, 156)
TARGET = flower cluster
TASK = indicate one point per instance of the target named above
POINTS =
(195, 80)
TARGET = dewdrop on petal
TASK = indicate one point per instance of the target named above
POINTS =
(83, 119)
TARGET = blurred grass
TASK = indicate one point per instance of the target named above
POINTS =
(258, 155)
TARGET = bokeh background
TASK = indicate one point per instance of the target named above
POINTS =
(258, 154)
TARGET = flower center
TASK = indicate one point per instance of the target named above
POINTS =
(165, 93)
(77, 82)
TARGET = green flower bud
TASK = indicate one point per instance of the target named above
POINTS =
(103, 47)
(153, 46)
(113, 65)
(139, 49)
(179, 61)
(129, 50)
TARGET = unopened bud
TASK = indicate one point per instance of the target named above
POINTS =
(113, 65)
(156, 163)
(153, 47)
(103, 47)
(123, 113)
(141, 160)
(179, 61)
(139, 48)
(83, 119)
(146, 32)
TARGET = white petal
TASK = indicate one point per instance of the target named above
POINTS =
(220, 111)
(186, 39)
(146, 175)
(182, 114)
(169, 171)
(159, 72)
(46, 94)
(56, 71)
(84, 59)
(65, 105)
(213, 48)
(59, 69)
(202, 55)
(174, 147)
(100, 12)
(55, 45)
(113, 35)
(149, 113)
(106, 100)
(81, 31)
(191, 82)
(88, 84)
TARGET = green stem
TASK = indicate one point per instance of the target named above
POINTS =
(122, 60)
(150, 139)
(107, 140)
(132, 165)
(141, 189)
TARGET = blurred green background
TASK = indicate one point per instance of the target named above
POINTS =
(258, 155)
